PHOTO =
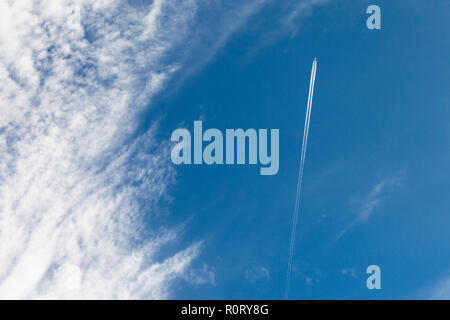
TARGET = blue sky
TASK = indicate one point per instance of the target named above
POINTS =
(380, 116)
(92, 206)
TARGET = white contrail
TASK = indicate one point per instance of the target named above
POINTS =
(300, 175)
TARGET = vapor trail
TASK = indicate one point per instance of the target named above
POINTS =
(300, 175)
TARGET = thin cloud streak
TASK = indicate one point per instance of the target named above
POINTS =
(366, 205)
(287, 22)
(440, 290)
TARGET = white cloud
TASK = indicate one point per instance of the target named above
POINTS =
(309, 281)
(350, 271)
(367, 204)
(440, 291)
(201, 276)
(73, 190)
(257, 273)
(364, 206)
(285, 19)
(300, 10)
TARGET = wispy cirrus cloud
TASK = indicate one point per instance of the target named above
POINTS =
(299, 10)
(439, 291)
(365, 205)
(75, 181)
(257, 273)
(284, 19)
